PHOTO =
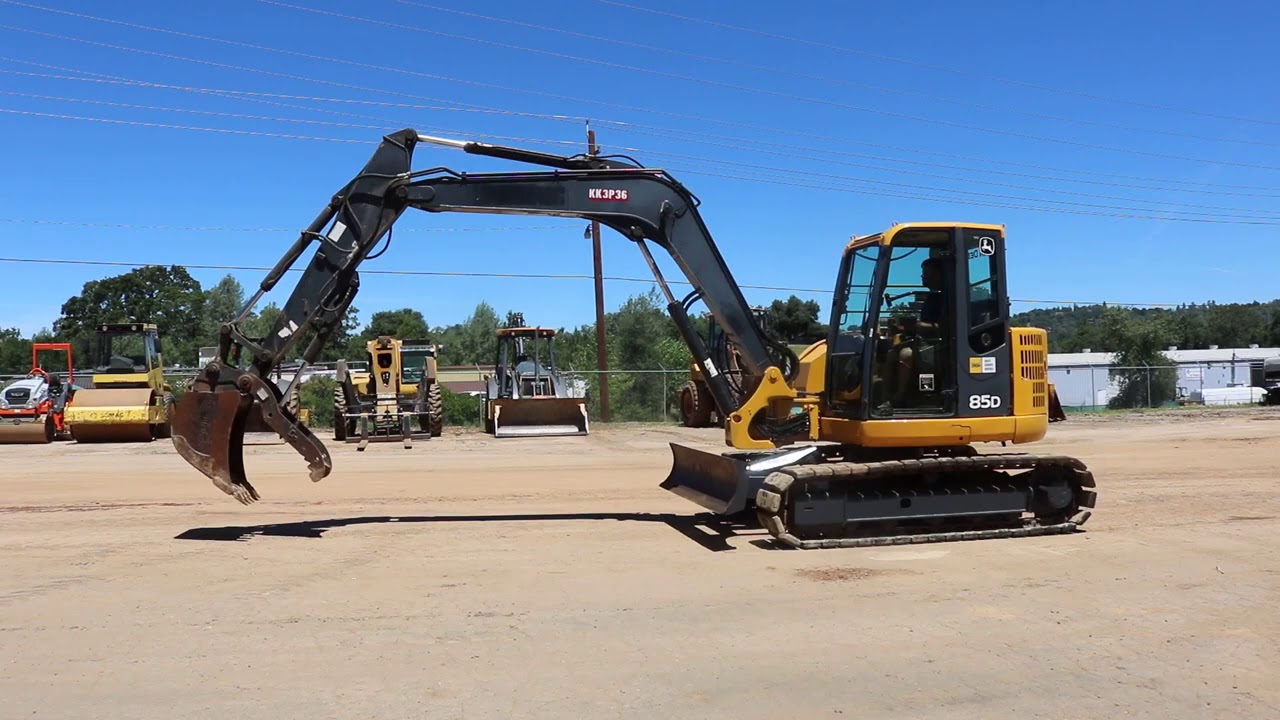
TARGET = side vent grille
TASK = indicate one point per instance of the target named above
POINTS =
(1031, 351)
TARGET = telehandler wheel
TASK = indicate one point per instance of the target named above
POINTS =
(339, 408)
(435, 410)
(164, 430)
(695, 405)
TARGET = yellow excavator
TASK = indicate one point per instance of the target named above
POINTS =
(865, 438)
(129, 400)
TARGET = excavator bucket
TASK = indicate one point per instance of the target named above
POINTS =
(540, 417)
(726, 484)
(209, 425)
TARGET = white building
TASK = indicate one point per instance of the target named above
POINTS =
(1084, 379)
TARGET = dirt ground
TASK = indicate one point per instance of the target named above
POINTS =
(474, 578)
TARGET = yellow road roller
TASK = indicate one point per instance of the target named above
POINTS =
(128, 400)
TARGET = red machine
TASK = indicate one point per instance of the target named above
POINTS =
(31, 409)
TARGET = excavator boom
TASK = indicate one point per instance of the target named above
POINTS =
(643, 204)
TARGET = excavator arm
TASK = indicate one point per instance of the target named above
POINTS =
(643, 204)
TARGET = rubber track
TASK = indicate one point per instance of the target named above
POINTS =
(771, 498)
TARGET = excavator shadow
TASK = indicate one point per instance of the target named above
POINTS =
(712, 532)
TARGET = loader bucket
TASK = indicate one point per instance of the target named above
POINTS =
(110, 415)
(718, 483)
(540, 417)
(208, 432)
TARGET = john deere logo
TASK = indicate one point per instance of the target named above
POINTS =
(987, 245)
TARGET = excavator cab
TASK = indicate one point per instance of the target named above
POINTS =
(919, 325)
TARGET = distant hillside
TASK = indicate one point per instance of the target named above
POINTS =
(1189, 327)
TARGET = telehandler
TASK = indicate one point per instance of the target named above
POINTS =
(396, 397)
(865, 438)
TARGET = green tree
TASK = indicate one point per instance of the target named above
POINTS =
(316, 396)
(641, 336)
(474, 341)
(795, 320)
(1236, 325)
(1144, 378)
(221, 303)
(405, 324)
(166, 296)
(15, 352)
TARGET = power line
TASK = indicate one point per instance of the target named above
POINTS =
(703, 136)
(392, 127)
(105, 79)
(940, 68)
(426, 273)
(647, 48)
(524, 276)
(649, 110)
(793, 155)
(759, 91)
(642, 129)
(758, 178)
(169, 126)
(773, 180)
(210, 228)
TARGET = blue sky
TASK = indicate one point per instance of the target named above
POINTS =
(890, 112)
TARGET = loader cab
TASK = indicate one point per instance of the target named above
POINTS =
(526, 363)
(919, 325)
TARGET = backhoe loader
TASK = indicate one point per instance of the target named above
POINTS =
(526, 396)
(864, 438)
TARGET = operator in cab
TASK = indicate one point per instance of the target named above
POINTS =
(915, 353)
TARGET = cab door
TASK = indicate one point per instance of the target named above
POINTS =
(985, 368)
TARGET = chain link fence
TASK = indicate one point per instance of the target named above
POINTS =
(1094, 388)
(634, 395)
(650, 395)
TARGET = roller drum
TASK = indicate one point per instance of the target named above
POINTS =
(111, 415)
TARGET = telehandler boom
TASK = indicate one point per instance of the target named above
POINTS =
(864, 438)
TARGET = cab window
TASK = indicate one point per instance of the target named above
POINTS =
(985, 326)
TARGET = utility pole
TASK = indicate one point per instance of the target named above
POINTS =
(602, 350)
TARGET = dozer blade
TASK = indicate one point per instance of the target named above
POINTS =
(540, 417)
(725, 484)
(208, 432)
